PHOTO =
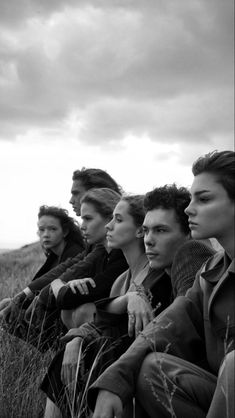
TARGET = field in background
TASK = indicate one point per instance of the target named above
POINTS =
(21, 366)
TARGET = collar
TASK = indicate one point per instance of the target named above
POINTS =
(217, 266)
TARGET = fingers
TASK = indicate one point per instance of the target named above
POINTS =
(137, 321)
(81, 285)
(131, 324)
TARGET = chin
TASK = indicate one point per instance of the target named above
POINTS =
(154, 265)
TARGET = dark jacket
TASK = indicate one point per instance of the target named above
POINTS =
(71, 249)
(104, 271)
(187, 261)
(198, 327)
(62, 270)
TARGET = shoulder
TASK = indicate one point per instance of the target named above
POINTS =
(187, 262)
(71, 249)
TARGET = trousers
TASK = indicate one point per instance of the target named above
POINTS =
(169, 387)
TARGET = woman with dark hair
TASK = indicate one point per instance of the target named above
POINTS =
(96, 269)
(60, 236)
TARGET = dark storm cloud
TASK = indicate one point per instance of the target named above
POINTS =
(130, 67)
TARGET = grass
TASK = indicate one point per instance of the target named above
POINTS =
(21, 366)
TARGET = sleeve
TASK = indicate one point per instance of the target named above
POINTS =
(178, 330)
(38, 284)
(188, 260)
(66, 299)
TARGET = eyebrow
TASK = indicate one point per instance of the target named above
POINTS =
(156, 226)
(201, 191)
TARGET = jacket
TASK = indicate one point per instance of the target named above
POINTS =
(71, 249)
(198, 327)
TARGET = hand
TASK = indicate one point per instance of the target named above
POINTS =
(4, 303)
(81, 285)
(108, 405)
(13, 310)
(139, 313)
(71, 361)
(70, 335)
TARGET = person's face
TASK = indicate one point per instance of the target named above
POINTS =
(121, 230)
(77, 191)
(50, 233)
(211, 211)
(162, 237)
(93, 224)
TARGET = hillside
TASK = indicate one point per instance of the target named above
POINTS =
(17, 267)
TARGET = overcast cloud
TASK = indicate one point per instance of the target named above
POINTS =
(139, 88)
(161, 68)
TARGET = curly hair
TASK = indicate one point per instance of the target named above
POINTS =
(170, 197)
(222, 165)
(96, 178)
(103, 199)
(67, 223)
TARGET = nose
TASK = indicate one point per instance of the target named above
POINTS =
(109, 226)
(190, 209)
(148, 239)
(45, 233)
(71, 200)
(83, 226)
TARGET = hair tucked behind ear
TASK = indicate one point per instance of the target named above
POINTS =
(222, 165)
(103, 199)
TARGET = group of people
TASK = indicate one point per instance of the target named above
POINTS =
(136, 303)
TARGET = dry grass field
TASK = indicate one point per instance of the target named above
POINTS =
(21, 366)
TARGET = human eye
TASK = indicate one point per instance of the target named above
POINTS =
(161, 230)
(52, 228)
(86, 218)
(204, 199)
(118, 219)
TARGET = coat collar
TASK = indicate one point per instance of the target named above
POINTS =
(215, 268)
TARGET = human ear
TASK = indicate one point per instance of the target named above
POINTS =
(139, 232)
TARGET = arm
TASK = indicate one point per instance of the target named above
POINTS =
(39, 283)
(182, 338)
(116, 264)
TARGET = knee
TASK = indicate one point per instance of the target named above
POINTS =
(228, 364)
(150, 362)
(66, 318)
(84, 313)
(75, 317)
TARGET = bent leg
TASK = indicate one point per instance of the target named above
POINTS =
(222, 404)
(73, 318)
(171, 387)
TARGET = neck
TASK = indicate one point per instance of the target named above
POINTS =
(132, 254)
(228, 246)
(59, 249)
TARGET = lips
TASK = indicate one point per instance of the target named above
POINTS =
(192, 223)
(151, 255)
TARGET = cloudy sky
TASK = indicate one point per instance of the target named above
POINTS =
(139, 88)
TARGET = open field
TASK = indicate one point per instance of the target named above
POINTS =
(21, 366)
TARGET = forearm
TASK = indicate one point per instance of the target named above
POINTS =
(39, 283)
(56, 285)
(117, 305)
